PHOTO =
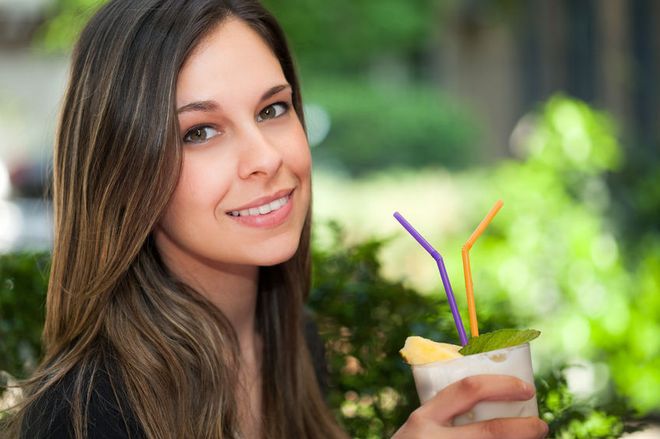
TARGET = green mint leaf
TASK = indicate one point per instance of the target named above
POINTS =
(502, 338)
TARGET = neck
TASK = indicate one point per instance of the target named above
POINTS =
(230, 288)
(233, 290)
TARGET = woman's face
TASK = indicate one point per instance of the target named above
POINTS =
(244, 188)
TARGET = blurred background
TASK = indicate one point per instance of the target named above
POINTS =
(437, 109)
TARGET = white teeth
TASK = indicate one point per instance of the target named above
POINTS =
(274, 205)
(262, 210)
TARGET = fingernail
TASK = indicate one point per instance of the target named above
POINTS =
(529, 389)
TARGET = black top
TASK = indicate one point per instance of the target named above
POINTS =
(50, 416)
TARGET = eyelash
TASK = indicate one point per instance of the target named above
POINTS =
(186, 138)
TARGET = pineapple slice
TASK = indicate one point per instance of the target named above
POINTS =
(420, 350)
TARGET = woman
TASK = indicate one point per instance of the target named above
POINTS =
(181, 254)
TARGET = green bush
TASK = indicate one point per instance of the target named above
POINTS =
(364, 320)
(557, 257)
(560, 257)
(23, 281)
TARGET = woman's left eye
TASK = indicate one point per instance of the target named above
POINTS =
(272, 111)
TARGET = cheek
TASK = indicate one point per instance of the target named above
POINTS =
(202, 185)
(298, 155)
(301, 164)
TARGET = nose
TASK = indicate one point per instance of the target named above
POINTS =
(260, 154)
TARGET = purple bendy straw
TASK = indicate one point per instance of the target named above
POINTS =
(443, 274)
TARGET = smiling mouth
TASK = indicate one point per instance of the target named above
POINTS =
(264, 209)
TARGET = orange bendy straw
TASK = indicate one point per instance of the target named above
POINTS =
(474, 327)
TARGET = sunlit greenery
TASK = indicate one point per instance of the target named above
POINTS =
(365, 320)
(553, 258)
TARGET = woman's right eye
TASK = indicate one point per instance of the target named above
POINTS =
(200, 134)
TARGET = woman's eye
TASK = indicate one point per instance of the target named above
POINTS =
(272, 111)
(200, 134)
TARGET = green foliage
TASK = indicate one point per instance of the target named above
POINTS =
(561, 262)
(554, 258)
(68, 18)
(349, 35)
(569, 417)
(365, 320)
(23, 280)
(375, 126)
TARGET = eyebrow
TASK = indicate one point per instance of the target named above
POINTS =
(210, 105)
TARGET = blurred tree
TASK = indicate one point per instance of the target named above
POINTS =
(350, 35)
(379, 125)
(23, 281)
(66, 20)
(342, 35)
(561, 260)
(556, 257)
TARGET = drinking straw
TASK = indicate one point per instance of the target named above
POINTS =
(452, 301)
(472, 311)
(443, 274)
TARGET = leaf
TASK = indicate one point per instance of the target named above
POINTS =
(502, 338)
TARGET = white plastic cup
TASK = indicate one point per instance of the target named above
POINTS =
(513, 361)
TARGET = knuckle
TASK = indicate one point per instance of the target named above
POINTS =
(523, 427)
(495, 428)
(413, 428)
(415, 419)
(469, 385)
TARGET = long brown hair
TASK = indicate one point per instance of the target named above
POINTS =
(112, 305)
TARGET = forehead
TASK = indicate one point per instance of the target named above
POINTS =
(231, 58)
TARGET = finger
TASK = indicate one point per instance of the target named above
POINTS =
(462, 395)
(509, 428)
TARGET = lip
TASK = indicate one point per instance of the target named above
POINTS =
(270, 220)
(263, 200)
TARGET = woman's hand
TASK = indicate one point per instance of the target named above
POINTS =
(434, 418)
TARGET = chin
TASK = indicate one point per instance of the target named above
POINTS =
(268, 259)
